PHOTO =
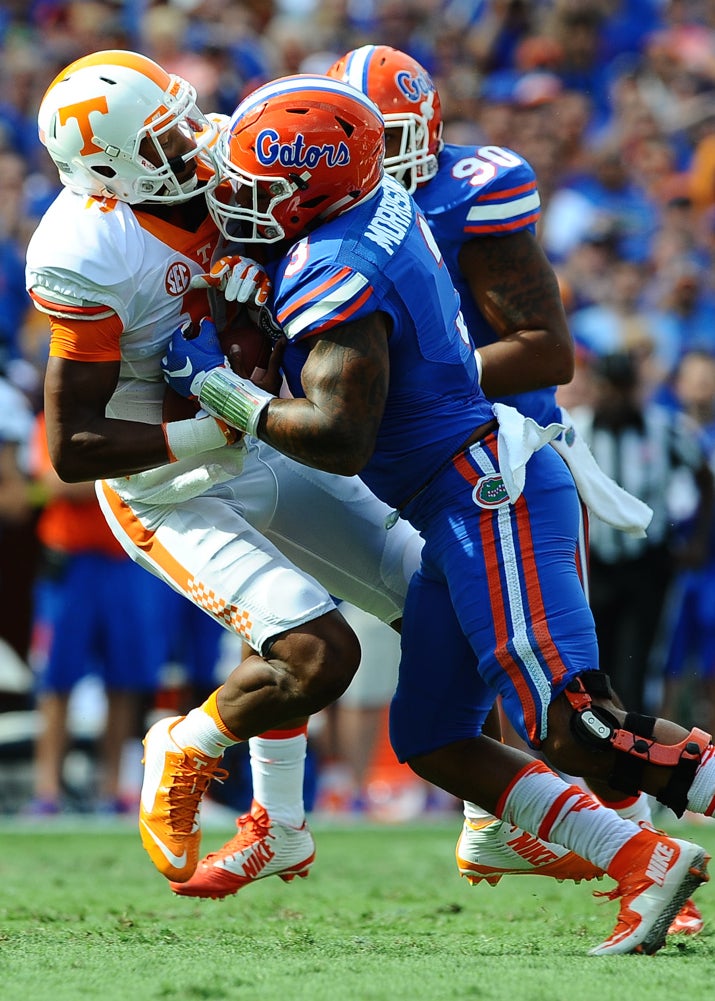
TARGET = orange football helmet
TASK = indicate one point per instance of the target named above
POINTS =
(405, 94)
(95, 115)
(298, 151)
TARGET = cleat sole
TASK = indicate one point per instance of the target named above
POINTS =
(697, 874)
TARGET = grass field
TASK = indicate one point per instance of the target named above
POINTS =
(383, 917)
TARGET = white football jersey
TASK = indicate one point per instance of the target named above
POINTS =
(126, 273)
(87, 254)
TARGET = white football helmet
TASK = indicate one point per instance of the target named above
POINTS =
(95, 115)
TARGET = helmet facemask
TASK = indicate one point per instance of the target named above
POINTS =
(410, 162)
(248, 215)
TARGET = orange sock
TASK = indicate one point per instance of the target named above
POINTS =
(210, 707)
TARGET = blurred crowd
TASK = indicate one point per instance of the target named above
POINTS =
(613, 104)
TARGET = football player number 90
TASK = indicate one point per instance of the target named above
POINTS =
(482, 167)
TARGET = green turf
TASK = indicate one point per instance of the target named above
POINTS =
(383, 917)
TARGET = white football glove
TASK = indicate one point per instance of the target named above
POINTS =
(239, 278)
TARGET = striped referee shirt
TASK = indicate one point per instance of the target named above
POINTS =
(653, 454)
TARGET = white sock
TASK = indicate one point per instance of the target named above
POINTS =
(199, 730)
(701, 795)
(635, 808)
(475, 814)
(278, 770)
(541, 802)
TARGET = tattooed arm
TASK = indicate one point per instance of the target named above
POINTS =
(516, 290)
(345, 380)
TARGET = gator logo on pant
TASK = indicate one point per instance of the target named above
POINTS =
(490, 491)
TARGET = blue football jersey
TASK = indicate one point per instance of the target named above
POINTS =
(382, 256)
(483, 191)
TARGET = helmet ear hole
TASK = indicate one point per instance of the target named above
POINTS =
(313, 203)
(105, 171)
(347, 128)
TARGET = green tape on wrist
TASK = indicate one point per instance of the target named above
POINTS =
(235, 400)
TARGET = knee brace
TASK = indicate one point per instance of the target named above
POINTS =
(633, 743)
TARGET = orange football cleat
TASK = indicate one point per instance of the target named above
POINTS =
(175, 780)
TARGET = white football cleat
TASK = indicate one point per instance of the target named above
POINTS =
(260, 848)
(487, 850)
(656, 875)
(688, 920)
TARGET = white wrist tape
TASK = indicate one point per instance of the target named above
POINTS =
(195, 435)
(235, 400)
(478, 360)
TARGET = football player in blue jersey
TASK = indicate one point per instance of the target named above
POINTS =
(385, 384)
(482, 206)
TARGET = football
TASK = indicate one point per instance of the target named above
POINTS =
(254, 344)
(176, 407)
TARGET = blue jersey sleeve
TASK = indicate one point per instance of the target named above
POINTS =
(315, 292)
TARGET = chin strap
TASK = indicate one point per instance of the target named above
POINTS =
(633, 743)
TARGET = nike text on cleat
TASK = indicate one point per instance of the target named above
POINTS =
(260, 848)
(175, 779)
(688, 920)
(656, 875)
(492, 849)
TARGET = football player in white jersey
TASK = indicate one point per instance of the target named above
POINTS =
(482, 206)
(385, 383)
(223, 519)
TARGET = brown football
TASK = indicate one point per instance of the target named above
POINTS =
(176, 407)
(254, 344)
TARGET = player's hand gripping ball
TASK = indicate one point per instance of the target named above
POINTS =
(190, 357)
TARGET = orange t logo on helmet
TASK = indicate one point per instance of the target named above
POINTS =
(81, 111)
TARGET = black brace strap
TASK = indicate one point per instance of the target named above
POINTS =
(634, 745)
(627, 771)
(597, 684)
(674, 793)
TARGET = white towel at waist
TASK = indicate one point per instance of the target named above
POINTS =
(519, 438)
(602, 495)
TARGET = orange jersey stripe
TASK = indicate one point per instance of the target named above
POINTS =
(501, 195)
(83, 312)
(349, 311)
(536, 610)
(146, 540)
(503, 227)
(313, 294)
(80, 340)
(231, 616)
(499, 601)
